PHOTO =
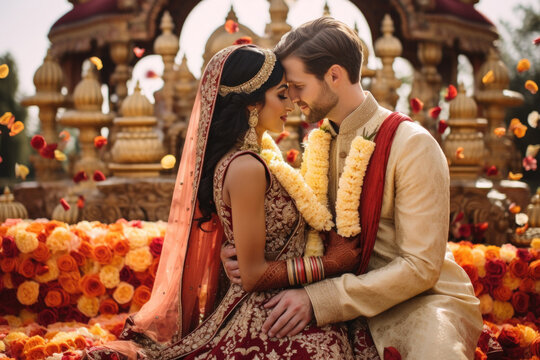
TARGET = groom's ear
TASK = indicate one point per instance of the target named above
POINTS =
(335, 73)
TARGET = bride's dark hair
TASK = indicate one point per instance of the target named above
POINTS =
(230, 119)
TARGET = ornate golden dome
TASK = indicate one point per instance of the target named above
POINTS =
(136, 104)
(49, 76)
(70, 216)
(87, 94)
(9, 208)
(220, 38)
(388, 45)
(501, 78)
(463, 107)
(167, 43)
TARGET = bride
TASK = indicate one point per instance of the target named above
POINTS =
(226, 193)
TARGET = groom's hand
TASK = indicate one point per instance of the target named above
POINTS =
(230, 263)
(291, 312)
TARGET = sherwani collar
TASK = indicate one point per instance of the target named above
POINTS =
(356, 119)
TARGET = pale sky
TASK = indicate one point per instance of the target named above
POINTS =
(25, 24)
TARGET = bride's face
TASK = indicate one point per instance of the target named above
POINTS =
(277, 105)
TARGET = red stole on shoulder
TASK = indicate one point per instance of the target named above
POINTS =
(372, 194)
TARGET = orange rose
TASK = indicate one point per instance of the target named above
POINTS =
(502, 293)
(36, 353)
(519, 268)
(80, 259)
(17, 347)
(3, 230)
(27, 268)
(121, 247)
(51, 225)
(66, 263)
(8, 264)
(534, 269)
(64, 346)
(80, 342)
(54, 298)
(471, 270)
(86, 249)
(103, 254)
(493, 252)
(527, 285)
(478, 288)
(113, 237)
(70, 282)
(91, 286)
(463, 255)
(42, 253)
(116, 227)
(81, 234)
(152, 270)
(141, 295)
(35, 227)
(108, 306)
(52, 348)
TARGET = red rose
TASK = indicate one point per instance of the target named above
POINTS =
(491, 283)
(535, 346)
(47, 316)
(509, 336)
(128, 275)
(525, 255)
(156, 245)
(9, 248)
(519, 268)
(471, 270)
(48, 151)
(391, 353)
(534, 269)
(495, 267)
(520, 301)
(38, 142)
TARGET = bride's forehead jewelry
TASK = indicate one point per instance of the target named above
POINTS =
(255, 82)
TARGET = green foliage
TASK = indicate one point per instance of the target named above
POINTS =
(518, 44)
(12, 148)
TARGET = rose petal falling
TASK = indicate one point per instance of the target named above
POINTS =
(529, 163)
(285, 134)
(65, 204)
(536, 41)
(451, 93)
(80, 176)
(442, 126)
(492, 171)
(523, 65)
(416, 105)
(97, 62)
(532, 150)
(514, 208)
(48, 151)
(434, 112)
(139, 52)
(64, 135)
(243, 40)
(6, 118)
(4, 71)
(459, 153)
(515, 177)
(517, 128)
(98, 176)
(21, 171)
(522, 219)
(38, 142)
(168, 161)
(231, 26)
(292, 154)
(80, 202)
(60, 156)
(531, 86)
(532, 119)
(100, 141)
(16, 128)
(499, 132)
(488, 78)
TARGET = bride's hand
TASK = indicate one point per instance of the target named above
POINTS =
(342, 254)
(230, 263)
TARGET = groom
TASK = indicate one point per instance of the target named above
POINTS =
(413, 294)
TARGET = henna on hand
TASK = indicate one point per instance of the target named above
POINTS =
(342, 254)
(275, 277)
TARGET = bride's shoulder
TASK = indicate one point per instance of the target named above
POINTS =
(245, 166)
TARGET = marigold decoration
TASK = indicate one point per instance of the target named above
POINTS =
(98, 176)
(231, 26)
(243, 40)
(416, 105)
(38, 142)
(97, 62)
(499, 132)
(21, 171)
(168, 161)
(442, 126)
(139, 52)
(65, 204)
(100, 141)
(488, 78)
(523, 65)
(451, 93)
(531, 86)
(434, 112)
(4, 71)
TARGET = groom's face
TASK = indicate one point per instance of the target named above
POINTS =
(313, 96)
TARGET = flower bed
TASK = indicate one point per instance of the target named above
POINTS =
(507, 282)
(66, 287)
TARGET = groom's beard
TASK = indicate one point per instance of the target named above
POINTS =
(326, 101)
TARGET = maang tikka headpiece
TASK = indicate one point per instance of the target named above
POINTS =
(255, 82)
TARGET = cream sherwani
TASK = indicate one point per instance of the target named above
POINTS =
(415, 296)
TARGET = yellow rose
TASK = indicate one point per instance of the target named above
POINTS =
(26, 241)
(535, 243)
(482, 271)
(16, 335)
(123, 293)
(486, 304)
(479, 259)
(502, 310)
(8, 282)
(85, 226)
(452, 246)
(136, 237)
(12, 230)
(27, 317)
(59, 239)
(98, 331)
(2, 346)
(13, 321)
(508, 252)
(27, 292)
(151, 229)
(527, 335)
(139, 259)
(118, 261)
(89, 306)
(51, 274)
(511, 281)
(90, 267)
(110, 276)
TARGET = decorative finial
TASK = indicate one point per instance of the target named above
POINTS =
(326, 11)
(232, 15)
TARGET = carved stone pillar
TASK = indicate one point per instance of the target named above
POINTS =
(387, 48)
(48, 81)
(466, 132)
(120, 52)
(495, 98)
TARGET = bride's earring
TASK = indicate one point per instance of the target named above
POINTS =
(250, 139)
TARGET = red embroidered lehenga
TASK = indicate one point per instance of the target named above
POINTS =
(183, 319)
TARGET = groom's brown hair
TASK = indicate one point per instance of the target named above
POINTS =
(322, 43)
